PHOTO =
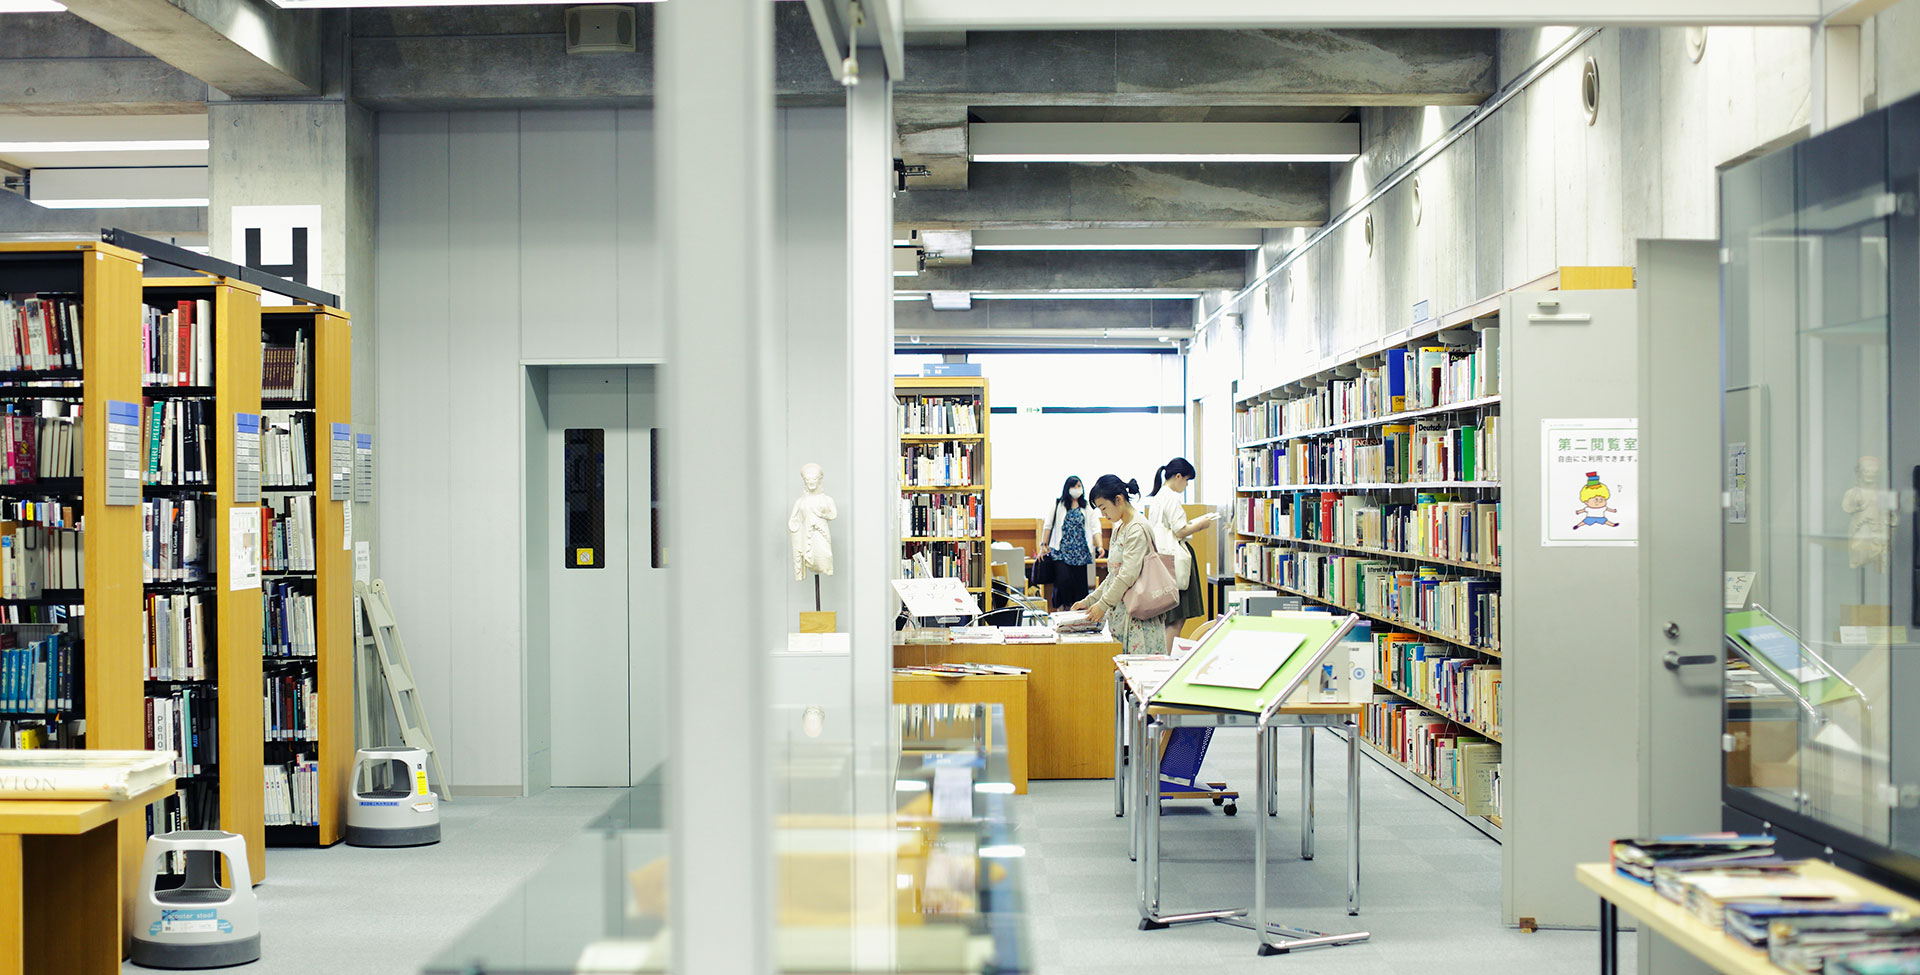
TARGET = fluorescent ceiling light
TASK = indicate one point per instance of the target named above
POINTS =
(1110, 142)
(162, 186)
(31, 7)
(1170, 239)
(910, 296)
(1084, 296)
(950, 300)
(130, 145)
(317, 4)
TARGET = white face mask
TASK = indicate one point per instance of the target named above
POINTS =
(1073, 492)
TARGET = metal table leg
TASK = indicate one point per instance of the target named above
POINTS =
(1292, 938)
(1306, 792)
(1135, 716)
(1609, 938)
(1353, 819)
(1119, 745)
(1271, 756)
(1147, 772)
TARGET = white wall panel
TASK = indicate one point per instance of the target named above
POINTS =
(483, 554)
(567, 235)
(637, 280)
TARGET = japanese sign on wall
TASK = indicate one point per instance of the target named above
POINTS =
(1591, 480)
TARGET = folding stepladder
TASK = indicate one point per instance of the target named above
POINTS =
(378, 633)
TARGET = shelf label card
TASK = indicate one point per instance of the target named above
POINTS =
(243, 548)
(340, 463)
(363, 468)
(246, 458)
(123, 453)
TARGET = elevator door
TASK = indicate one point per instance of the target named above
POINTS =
(605, 586)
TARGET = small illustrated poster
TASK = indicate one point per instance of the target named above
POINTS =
(1736, 483)
(1739, 584)
(1247, 659)
(1591, 478)
(243, 568)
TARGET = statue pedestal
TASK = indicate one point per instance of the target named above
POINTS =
(817, 622)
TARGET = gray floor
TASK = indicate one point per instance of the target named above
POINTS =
(1430, 884)
(357, 911)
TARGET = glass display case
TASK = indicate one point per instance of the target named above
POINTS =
(1821, 438)
(947, 863)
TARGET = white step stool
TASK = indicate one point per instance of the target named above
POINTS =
(398, 812)
(199, 924)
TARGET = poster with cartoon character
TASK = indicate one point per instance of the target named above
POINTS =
(1591, 482)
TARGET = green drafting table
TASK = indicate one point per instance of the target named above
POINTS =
(1221, 684)
(1774, 649)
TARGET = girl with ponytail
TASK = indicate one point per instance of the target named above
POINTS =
(1167, 513)
(1127, 553)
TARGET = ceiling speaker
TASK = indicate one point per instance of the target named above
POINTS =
(600, 29)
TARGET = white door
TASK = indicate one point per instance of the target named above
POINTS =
(605, 593)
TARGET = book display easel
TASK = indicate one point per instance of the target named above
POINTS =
(946, 475)
(307, 582)
(199, 344)
(93, 289)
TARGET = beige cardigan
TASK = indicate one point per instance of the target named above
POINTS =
(1132, 541)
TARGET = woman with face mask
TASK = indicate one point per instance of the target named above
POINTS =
(1166, 511)
(1073, 540)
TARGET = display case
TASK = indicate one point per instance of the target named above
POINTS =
(1821, 438)
(952, 902)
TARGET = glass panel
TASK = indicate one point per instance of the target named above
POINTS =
(586, 500)
(1817, 484)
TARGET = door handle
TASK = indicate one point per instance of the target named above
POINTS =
(1675, 661)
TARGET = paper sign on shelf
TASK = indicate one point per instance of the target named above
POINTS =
(363, 563)
(243, 548)
(1590, 482)
(1739, 584)
(936, 597)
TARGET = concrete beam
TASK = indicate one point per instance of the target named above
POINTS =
(1102, 272)
(914, 316)
(58, 64)
(245, 48)
(20, 219)
(934, 135)
(1063, 195)
(514, 57)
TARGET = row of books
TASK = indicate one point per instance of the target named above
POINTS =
(943, 515)
(35, 558)
(1465, 609)
(1427, 450)
(286, 448)
(177, 629)
(287, 621)
(286, 368)
(49, 732)
(293, 793)
(174, 539)
(176, 344)
(286, 533)
(939, 416)
(1435, 525)
(1433, 374)
(292, 706)
(179, 441)
(44, 442)
(37, 676)
(1808, 923)
(939, 465)
(1460, 763)
(182, 722)
(946, 560)
(40, 332)
(1448, 679)
(195, 804)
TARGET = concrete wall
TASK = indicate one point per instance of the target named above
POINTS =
(514, 237)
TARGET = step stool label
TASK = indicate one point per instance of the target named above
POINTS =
(199, 920)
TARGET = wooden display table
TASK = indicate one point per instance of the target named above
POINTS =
(60, 880)
(1711, 945)
(1007, 690)
(1069, 699)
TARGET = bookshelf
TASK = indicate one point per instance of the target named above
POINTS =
(305, 374)
(102, 620)
(201, 341)
(945, 476)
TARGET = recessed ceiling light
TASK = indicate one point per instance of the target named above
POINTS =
(1084, 296)
(124, 145)
(31, 7)
(315, 4)
(1119, 239)
(85, 188)
(119, 203)
(1173, 142)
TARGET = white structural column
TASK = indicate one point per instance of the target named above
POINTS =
(875, 441)
(715, 103)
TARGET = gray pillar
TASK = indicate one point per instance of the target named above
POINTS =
(715, 117)
(875, 441)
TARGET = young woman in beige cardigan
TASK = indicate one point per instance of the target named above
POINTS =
(1127, 551)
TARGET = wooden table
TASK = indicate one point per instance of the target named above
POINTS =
(1069, 705)
(60, 880)
(1711, 945)
(1010, 691)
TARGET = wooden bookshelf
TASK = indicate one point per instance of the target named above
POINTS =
(109, 690)
(974, 390)
(236, 672)
(329, 332)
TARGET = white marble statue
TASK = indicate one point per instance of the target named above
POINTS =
(1875, 512)
(812, 542)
